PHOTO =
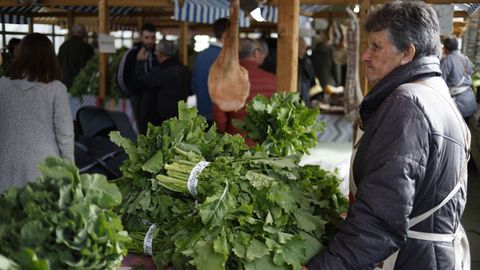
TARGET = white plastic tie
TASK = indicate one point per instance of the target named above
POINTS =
(148, 240)
(193, 177)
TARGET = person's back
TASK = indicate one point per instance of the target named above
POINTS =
(456, 72)
(261, 83)
(35, 117)
(201, 70)
(74, 54)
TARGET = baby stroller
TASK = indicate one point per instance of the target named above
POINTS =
(94, 152)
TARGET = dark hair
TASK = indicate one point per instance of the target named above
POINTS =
(12, 43)
(408, 23)
(220, 26)
(35, 60)
(148, 27)
(450, 43)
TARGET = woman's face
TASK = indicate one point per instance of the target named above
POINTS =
(381, 56)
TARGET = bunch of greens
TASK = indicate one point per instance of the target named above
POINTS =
(282, 125)
(87, 81)
(62, 221)
(252, 212)
(144, 199)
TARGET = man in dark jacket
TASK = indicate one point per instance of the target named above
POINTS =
(74, 54)
(126, 79)
(410, 167)
(165, 85)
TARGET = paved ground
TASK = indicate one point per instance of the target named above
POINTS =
(471, 216)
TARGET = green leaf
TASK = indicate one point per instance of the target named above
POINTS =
(7, 264)
(264, 263)
(125, 143)
(29, 260)
(308, 222)
(313, 246)
(33, 234)
(155, 164)
(99, 191)
(206, 258)
(256, 249)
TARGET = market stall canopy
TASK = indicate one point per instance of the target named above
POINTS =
(206, 11)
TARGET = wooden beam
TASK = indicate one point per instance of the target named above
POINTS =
(111, 3)
(364, 9)
(103, 61)
(184, 43)
(70, 22)
(287, 45)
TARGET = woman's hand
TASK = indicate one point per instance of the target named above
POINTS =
(304, 268)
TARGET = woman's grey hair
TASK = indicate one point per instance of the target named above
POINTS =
(166, 48)
(408, 22)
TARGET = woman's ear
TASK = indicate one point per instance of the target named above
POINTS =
(408, 54)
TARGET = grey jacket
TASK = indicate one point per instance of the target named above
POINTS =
(408, 160)
(35, 122)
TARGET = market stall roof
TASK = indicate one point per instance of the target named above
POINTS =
(205, 11)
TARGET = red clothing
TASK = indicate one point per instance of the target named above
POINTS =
(261, 82)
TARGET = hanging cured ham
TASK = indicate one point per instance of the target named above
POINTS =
(228, 82)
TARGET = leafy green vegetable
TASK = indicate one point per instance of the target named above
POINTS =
(87, 80)
(282, 125)
(251, 210)
(62, 221)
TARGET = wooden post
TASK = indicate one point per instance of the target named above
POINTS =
(70, 21)
(30, 25)
(287, 45)
(4, 36)
(364, 9)
(184, 42)
(103, 60)
(140, 25)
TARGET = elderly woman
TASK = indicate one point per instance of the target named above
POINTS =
(410, 164)
(35, 118)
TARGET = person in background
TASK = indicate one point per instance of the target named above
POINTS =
(126, 78)
(9, 52)
(35, 118)
(74, 53)
(306, 73)
(202, 66)
(410, 167)
(457, 70)
(251, 56)
(322, 60)
(166, 84)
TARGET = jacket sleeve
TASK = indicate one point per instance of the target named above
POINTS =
(393, 164)
(446, 66)
(220, 118)
(63, 122)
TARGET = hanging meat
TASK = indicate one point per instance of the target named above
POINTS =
(228, 82)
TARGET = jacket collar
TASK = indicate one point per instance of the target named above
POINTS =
(428, 66)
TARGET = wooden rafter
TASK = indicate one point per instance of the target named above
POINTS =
(111, 3)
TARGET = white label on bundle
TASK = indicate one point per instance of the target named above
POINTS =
(148, 241)
(193, 178)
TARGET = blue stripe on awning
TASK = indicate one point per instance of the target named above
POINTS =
(203, 11)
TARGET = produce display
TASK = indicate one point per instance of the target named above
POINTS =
(249, 208)
(61, 221)
(86, 82)
(282, 124)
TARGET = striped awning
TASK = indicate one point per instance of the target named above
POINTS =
(205, 11)
(18, 14)
(270, 14)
